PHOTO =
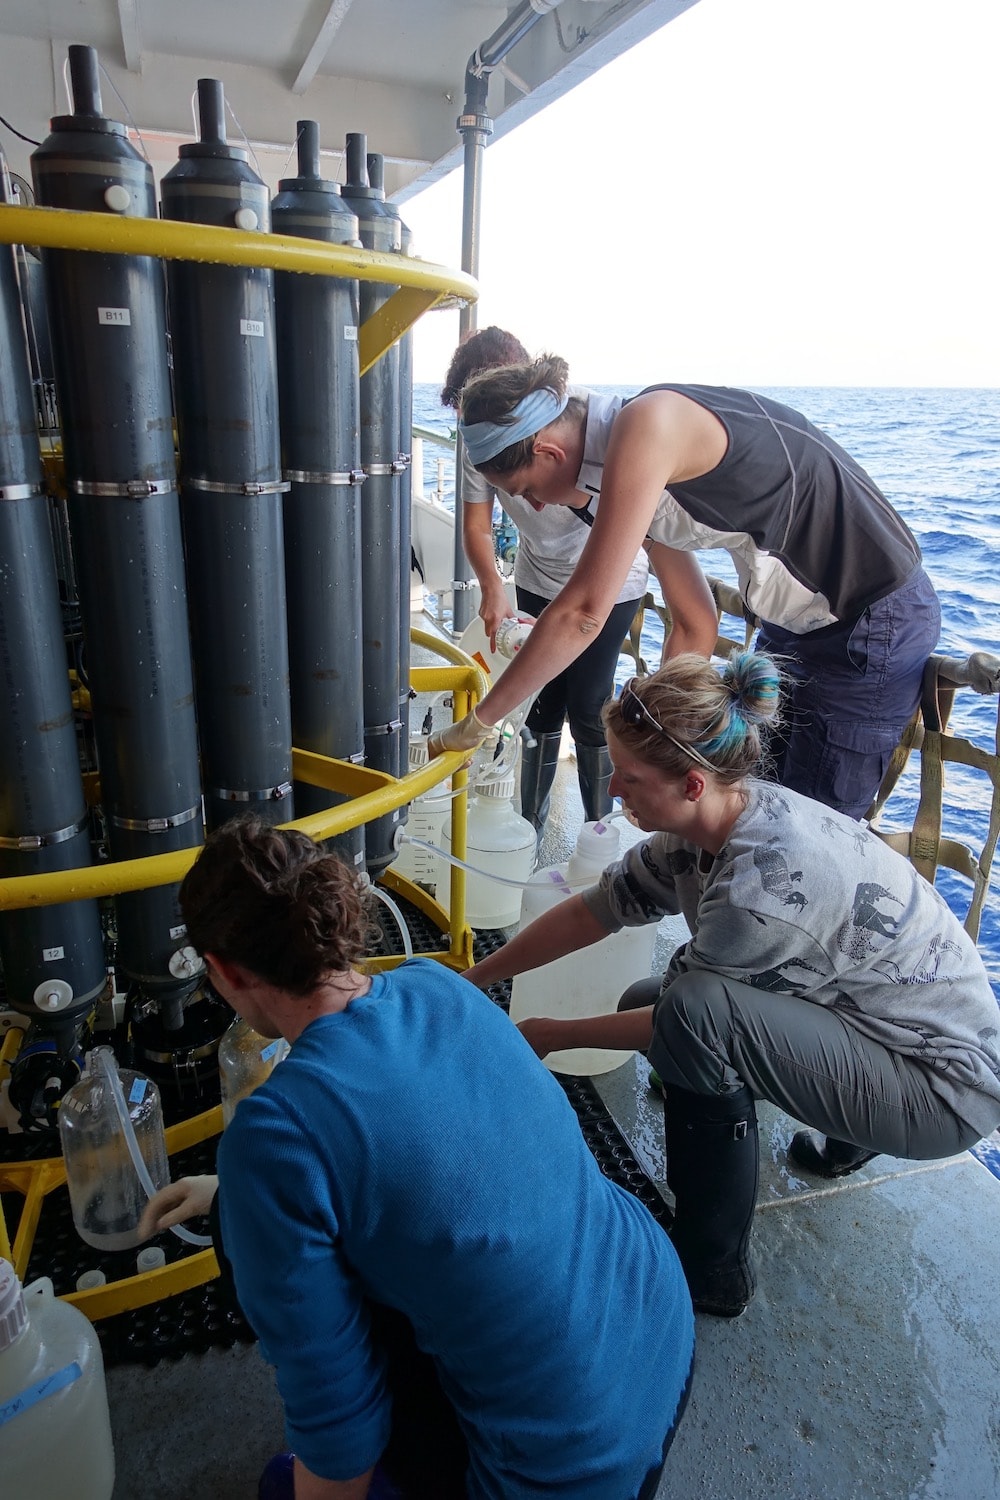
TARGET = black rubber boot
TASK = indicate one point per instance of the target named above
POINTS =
(538, 772)
(712, 1163)
(593, 769)
(826, 1156)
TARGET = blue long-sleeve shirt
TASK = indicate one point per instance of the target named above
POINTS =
(412, 1150)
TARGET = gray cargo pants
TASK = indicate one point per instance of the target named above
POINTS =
(712, 1035)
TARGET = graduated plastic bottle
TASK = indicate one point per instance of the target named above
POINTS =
(105, 1193)
(55, 1431)
(245, 1059)
(428, 815)
(591, 981)
(499, 842)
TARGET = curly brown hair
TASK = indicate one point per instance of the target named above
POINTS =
(277, 903)
(493, 395)
(486, 349)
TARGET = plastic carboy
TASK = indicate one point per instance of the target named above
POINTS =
(245, 1059)
(426, 821)
(511, 635)
(591, 981)
(499, 842)
(55, 1431)
(105, 1193)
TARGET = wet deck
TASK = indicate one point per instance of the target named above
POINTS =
(866, 1368)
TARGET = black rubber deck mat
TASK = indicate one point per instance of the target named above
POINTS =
(207, 1316)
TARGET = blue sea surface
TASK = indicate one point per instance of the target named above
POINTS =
(936, 456)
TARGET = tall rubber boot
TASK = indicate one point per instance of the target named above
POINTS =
(538, 772)
(712, 1167)
(593, 769)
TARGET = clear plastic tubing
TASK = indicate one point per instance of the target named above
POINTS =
(142, 1171)
(387, 901)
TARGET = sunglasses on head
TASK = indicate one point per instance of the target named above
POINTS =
(635, 713)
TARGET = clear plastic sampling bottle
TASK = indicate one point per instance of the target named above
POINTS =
(499, 842)
(105, 1193)
(245, 1059)
(589, 982)
(55, 1431)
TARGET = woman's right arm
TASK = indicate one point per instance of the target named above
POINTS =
(657, 437)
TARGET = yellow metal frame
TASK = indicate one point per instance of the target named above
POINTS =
(422, 285)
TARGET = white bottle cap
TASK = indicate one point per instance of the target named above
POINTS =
(150, 1259)
(500, 790)
(88, 1280)
(598, 842)
(417, 755)
(13, 1313)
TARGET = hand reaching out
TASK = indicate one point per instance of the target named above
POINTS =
(468, 734)
(179, 1200)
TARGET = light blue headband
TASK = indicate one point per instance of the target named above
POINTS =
(484, 440)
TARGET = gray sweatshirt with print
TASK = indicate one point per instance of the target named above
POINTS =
(804, 901)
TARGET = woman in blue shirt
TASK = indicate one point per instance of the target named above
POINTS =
(410, 1178)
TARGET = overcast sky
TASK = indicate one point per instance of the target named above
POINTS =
(766, 192)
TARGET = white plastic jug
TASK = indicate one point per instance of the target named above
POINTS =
(496, 762)
(428, 815)
(591, 981)
(499, 842)
(55, 1430)
(510, 636)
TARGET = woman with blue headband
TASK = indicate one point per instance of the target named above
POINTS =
(549, 546)
(822, 973)
(822, 558)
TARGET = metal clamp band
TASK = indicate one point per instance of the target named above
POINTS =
(157, 825)
(251, 487)
(20, 491)
(459, 585)
(404, 459)
(381, 470)
(129, 489)
(264, 794)
(317, 476)
(389, 728)
(27, 843)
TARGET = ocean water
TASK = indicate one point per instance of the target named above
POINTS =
(936, 456)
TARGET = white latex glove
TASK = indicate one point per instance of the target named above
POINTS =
(468, 734)
(179, 1200)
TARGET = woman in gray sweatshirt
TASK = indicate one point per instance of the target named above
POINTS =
(823, 973)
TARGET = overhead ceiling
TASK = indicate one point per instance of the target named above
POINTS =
(394, 69)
